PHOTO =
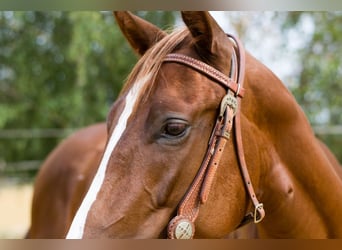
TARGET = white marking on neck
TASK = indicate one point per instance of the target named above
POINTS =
(77, 227)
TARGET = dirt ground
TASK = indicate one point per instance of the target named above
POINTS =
(15, 202)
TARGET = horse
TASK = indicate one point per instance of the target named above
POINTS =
(200, 133)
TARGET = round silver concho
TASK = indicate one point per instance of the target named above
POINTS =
(182, 228)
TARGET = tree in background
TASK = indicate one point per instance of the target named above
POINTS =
(319, 85)
(60, 70)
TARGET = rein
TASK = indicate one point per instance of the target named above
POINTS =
(182, 226)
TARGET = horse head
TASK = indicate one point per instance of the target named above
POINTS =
(159, 129)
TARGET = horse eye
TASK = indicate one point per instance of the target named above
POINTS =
(174, 129)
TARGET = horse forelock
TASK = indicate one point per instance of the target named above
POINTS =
(151, 61)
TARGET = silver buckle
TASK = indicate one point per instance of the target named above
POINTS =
(256, 219)
(228, 100)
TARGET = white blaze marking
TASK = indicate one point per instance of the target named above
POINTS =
(77, 227)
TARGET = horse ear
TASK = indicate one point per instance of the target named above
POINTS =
(209, 39)
(140, 34)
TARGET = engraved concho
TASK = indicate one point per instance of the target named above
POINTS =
(181, 228)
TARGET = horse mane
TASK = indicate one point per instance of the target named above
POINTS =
(150, 63)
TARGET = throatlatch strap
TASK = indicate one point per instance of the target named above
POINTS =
(259, 213)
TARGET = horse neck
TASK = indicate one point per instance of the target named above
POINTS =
(300, 189)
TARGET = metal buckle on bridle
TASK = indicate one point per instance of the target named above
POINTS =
(256, 213)
(229, 100)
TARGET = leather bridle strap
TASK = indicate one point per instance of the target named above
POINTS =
(259, 213)
(207, 70)
(182, 226)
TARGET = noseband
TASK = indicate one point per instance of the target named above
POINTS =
(182, 226)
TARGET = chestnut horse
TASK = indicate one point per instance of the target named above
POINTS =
(164, 173)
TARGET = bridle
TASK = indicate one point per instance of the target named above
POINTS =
(182, 226)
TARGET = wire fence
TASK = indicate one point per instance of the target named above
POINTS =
(25, 168)
(35, 133)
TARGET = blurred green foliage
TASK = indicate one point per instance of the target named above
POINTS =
(319, 86)
(60, 70)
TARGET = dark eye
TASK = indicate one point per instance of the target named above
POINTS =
(175, 129)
